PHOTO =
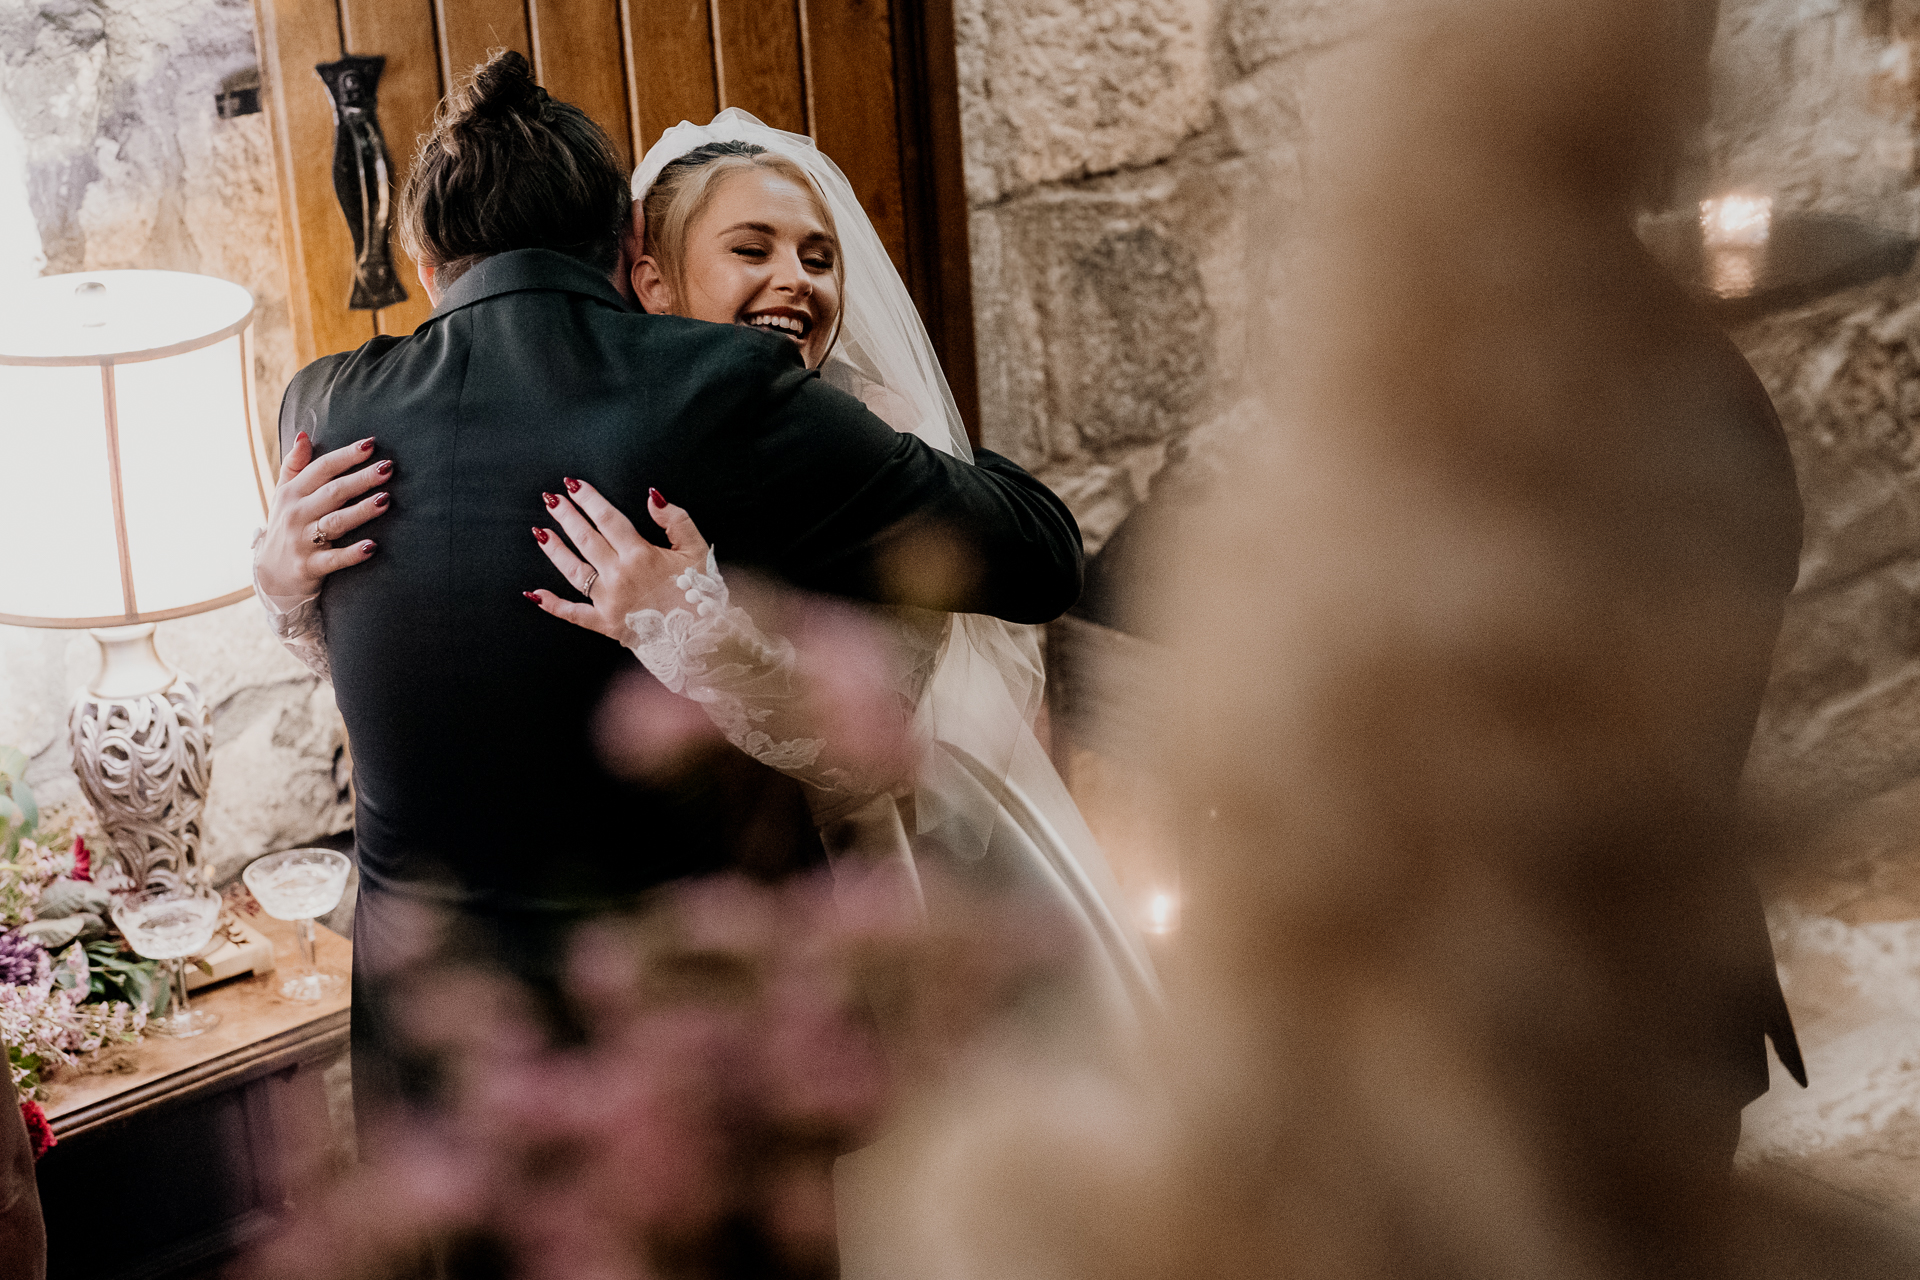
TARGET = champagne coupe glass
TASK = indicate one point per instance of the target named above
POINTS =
(299, 885)
(169, 924)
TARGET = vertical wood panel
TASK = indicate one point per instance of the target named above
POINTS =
(577, 55)
(849, 48)
(927, 75)
(294, 36)
(403, 32)
(759, 60)
(469, 29)
(670, 59)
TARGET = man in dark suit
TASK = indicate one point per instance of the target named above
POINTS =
(469, 709)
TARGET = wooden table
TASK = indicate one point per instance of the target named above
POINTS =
(173, 1154)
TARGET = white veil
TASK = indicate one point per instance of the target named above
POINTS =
(987, 792)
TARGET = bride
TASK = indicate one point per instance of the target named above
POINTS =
(748, 224)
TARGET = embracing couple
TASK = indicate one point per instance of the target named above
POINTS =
(622, 389)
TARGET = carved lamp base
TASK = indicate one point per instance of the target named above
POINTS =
(144, 754)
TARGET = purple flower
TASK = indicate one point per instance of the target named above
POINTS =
(23, 962)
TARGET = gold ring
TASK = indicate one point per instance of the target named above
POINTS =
(586, 589)
(319, 539)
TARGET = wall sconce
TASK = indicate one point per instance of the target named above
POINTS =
(135, 478)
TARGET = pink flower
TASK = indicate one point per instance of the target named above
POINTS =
(82, 860)
(39, 1132)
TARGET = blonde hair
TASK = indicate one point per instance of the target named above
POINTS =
(688, 185)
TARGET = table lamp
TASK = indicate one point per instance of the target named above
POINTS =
(134, 478)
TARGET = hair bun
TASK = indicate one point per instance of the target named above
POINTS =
(503, 85)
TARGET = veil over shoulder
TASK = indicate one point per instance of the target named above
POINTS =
(987, 799)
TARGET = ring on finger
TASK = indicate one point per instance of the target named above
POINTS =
(586, 588)
(319, 536)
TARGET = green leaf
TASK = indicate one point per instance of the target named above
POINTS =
(23, 796)
(55, 933)
(13, 764)
(118, 974)
(65, 896)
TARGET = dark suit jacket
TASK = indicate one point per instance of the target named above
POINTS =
(468, 708)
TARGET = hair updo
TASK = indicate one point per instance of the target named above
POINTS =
(687, 185)
(508, 167)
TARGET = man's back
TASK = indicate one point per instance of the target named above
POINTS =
(470, 710)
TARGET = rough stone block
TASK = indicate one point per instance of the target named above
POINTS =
(1259, 32)
(1841, 720)
(1052, 90)
(1096, 333)
(1844, 374)
(1110, 314)
(1814, 105)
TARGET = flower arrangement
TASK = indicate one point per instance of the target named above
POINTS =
(68, 982)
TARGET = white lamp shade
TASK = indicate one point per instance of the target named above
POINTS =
(133, 474)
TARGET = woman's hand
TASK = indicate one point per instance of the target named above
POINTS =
(310, 511)
(618, 571)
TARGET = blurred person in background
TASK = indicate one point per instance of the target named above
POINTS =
(1474, 980)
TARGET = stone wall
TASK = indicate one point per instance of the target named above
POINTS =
(123, 162)
(1815, 106)
(1124, 159)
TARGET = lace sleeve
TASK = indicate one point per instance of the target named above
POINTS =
(303, 633)
(747, 683)
(298, 625)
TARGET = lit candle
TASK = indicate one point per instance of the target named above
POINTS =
(1736, 221)
(1734, 231)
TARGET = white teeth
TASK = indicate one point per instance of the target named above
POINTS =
(786, 323)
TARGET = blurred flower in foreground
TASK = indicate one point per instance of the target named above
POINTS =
(733, 1041)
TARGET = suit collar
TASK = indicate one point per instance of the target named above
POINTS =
(524, 269)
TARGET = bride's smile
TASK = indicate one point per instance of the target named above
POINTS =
(760, 253)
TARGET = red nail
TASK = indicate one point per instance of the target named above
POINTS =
(366, 446)
(540, 534)
(654, 496)
(532, 595)
(380, 499)
(552, 499)
(366, 548)
(573, 486)
(301, 436)
(385, 468)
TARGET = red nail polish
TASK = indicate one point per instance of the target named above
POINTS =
(366, 446)
(300, 436)
(552, 500)
(532, 595)
(654, 496)
(540, 535)
(366, 548)
(380, 499)
(573, 486)
(384, 468)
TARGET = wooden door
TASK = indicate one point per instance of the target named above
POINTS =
(872, 81)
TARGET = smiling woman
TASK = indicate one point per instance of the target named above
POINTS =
(738, 235)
